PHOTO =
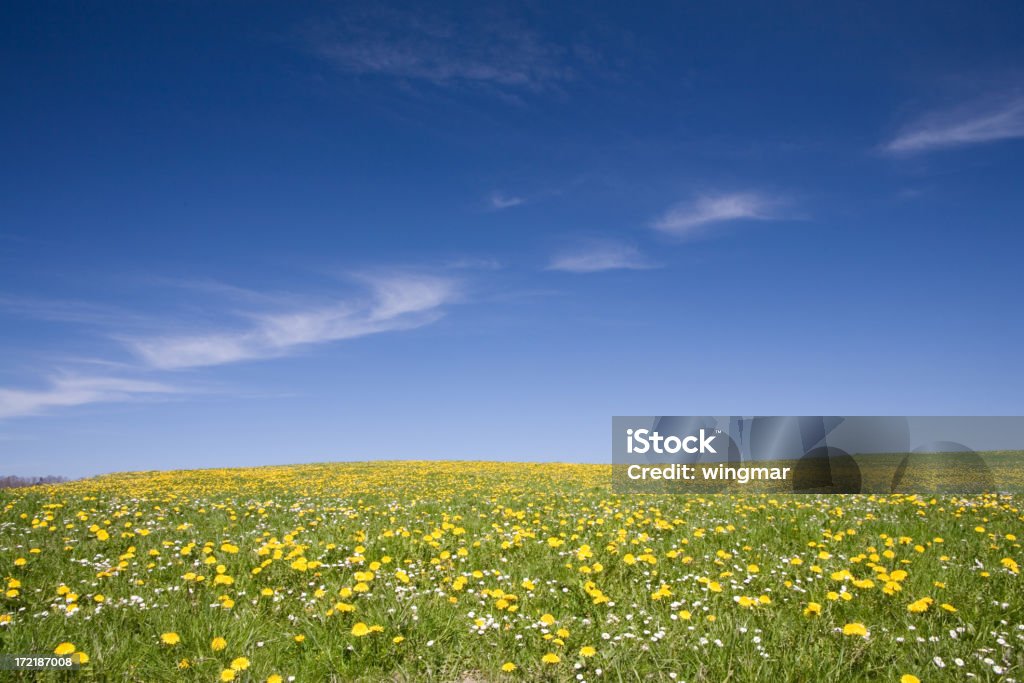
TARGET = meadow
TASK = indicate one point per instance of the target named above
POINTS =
(478, 572)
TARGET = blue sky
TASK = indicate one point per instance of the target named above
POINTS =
(238, 234)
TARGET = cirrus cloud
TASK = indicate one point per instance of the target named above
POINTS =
(481, 48)
(396, 302)
(598, 256)
(689, 218)
(971, 124)
(67, 391)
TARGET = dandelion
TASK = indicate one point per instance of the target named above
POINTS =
(481, 543)
(744, 601)
(855, 629)
(919, 606)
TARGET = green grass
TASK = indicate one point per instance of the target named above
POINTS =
(512, 522)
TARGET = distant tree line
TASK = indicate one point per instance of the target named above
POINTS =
(13, 482)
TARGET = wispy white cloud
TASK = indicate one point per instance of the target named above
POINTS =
(396, 302)
(689, 218)
(474, 263)
(481, 48)
(971, 124)
(66, 311)
(594, 257)
(66, 391)
(499, 200)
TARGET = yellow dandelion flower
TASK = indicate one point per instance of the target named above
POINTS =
(855, 629)
(919, 606)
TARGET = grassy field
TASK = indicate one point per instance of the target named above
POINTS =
(503, 572)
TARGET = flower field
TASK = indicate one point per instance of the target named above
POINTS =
(477, 572)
